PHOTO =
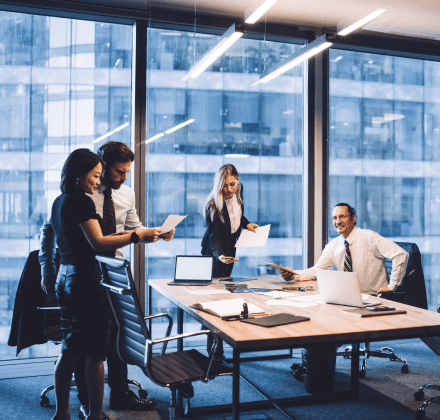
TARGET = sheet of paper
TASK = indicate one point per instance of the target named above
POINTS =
(306, 298)
(207, 291)
(274, 294)
(250, 239)
(283, 302)
(171, 222)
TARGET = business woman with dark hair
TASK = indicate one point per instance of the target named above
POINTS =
(85, 315)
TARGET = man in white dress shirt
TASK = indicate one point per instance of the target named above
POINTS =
(366, 251)
(118, 158)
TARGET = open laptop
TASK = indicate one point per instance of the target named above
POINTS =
(341, 288)
(193, 270)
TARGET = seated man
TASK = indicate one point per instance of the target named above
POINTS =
(359, 250)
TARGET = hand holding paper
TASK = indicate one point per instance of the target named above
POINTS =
(251, 239)
(171, 222)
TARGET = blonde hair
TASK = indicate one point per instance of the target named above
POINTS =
(214, 202)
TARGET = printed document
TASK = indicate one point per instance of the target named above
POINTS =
(171, 222)
(250, 239)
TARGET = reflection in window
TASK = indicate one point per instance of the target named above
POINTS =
(384, 149)
(64, 84)
(258, 129)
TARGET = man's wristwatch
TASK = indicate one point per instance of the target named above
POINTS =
(134, 238)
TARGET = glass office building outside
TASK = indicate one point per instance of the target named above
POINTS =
(63, 84)
(259, 129)
(384, 144)
(67, 83)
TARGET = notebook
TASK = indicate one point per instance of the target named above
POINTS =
(193, 270)
(275, 320)
(341, 288)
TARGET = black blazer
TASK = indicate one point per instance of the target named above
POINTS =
(27, 326)
(218, 239)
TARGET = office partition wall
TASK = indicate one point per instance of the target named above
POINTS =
(384, 146)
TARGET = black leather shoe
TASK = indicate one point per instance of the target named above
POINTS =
(83, 413)
(129, 401)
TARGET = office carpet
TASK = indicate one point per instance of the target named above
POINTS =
(385, 393)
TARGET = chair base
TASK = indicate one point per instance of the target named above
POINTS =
(418, 395)
(366, 353)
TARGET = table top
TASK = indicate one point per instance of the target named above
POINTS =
(327, 323)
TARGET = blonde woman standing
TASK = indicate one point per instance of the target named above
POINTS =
(224, 212)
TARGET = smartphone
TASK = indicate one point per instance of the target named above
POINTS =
(380, 308)
(280, 268)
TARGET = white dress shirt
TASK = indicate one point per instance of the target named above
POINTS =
(125, 211)
(368, 250)
(234, 211)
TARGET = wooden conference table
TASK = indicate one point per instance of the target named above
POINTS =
(327, 325)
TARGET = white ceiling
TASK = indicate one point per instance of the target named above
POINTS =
(420, 18)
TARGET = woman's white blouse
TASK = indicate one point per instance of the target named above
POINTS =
(234, 210)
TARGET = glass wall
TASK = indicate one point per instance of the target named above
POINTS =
(258, 128)
(64, 84)
(385, 149)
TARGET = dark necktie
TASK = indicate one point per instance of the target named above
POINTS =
(348, 263)
(109, 218)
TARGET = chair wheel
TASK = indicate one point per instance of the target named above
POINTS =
(420, 414)
(44, 401)
(404, 369)
(419, 395)
(142, 394)
(362, 374)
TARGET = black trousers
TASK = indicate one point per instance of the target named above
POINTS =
(117, 369)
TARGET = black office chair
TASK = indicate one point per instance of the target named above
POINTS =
(411, 291)
(173, 370)
(36, 317)
(52, 330)
(434, 344)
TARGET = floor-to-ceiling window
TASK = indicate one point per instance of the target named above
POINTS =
(385, 149)
(64, 84)
(258, 128)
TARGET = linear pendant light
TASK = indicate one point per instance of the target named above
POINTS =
(111, 132)
(344, 27)
(225, 41)
(293, 60)
(254, 13)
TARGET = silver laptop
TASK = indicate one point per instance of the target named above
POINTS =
(341, 288)
(193, 270)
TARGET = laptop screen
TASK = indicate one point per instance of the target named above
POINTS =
(193, 268)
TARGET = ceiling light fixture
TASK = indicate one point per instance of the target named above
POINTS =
(111, 132)
(224, 42)
(254, 13)
(293, 60)
(177, 127)
(236, 156)
(157, 136)
(344, 28)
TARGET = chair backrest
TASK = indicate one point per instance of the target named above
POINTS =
(133, 332)
(413, 284)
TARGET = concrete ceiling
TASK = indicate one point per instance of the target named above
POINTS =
(418, 18)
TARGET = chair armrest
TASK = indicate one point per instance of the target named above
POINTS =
(48, 308)
(168, 332)
(150, 344)
(177, 337)
(118, 290)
